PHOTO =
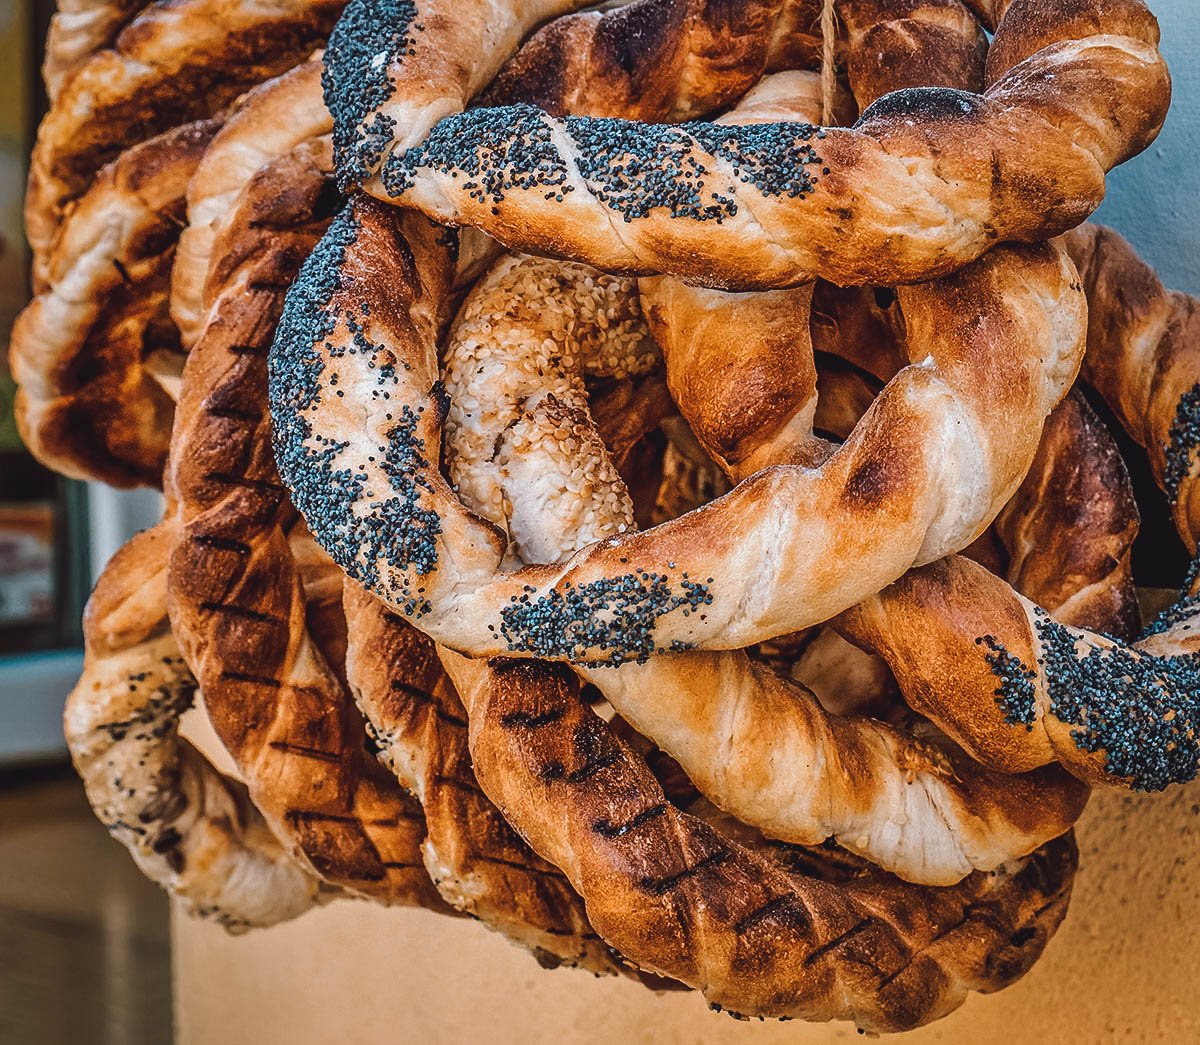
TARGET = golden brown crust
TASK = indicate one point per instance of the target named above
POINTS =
(673, 895)
(479, 863)
(173, 63)
(267, 123)
(236, 596)
(78, 29)
(190, 829)
(88, 351)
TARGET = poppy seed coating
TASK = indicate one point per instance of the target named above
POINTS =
(395, 529)
(1140, 709)
(616, 615)
(368, 38)
(1016, 695)
(633, 168)
(1182, 443)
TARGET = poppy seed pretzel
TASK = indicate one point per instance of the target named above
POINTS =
(88, 352)
(190, 829)
(926, 181)
(394, 67)
(373, 498)
(237, 598)
(1030, 690)
(175, 62)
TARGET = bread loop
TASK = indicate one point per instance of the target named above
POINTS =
(360, 467)
(89, 352)
(253, 611)
(926, 181)
(1030, 690)
(192, 830)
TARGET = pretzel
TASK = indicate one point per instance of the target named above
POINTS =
(674, 896)
(926, 181)
(89, 351)
(190, 829)
(78, 29)
(1030, 690)
(269, 121)
(479, 864)
(651, 59)
(236, 590)
(397, 540)
(173, 63)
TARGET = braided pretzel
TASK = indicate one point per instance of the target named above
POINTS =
(173, 63)
(269, 121)
(236, 586)
(190, 829)
(87, 352)
(1028, 689)
(927, 180)
(398, 534)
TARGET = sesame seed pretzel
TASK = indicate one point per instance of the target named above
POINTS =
(1030, 690)
(265, 655)
(176, 61)
(926, 181)
(192, 830)
(89, 351)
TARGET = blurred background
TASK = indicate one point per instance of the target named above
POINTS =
(84, 942)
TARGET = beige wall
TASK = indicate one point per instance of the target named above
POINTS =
(1123, 968)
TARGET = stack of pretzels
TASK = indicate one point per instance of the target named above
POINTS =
(634, 475)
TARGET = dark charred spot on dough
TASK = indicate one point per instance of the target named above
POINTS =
(1016, 695)
(926, 105)
(1182, 443)
(615, 616)
(626, 40)
(873, 481)
(1140, 709)
(370, 37)
(337, 845)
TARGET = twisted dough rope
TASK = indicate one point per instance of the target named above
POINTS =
(1030, 690)
(236, 588)
(88, 351)
(478, 863)
(375, 501)
(173, 63)
(757, 937)
(395, 68)
(190, 829)
(78, 29)
(928, 179)
(269, 122)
